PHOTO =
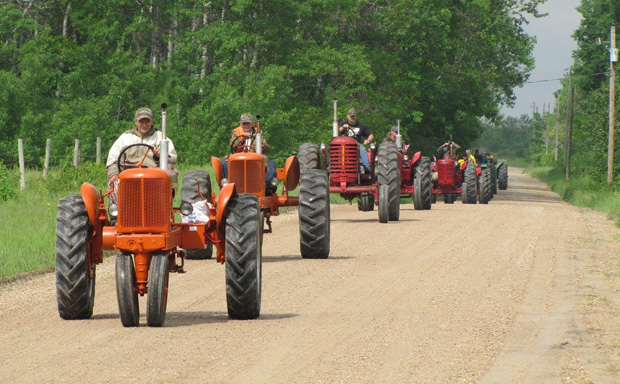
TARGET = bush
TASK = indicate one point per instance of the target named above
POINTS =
(9, 183)
(69, 178)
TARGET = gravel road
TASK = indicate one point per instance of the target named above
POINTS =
(525, 289)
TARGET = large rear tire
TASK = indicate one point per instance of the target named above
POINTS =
(389, 174)
(493, 179)
(192, 182)
(157, 297)
(308, 157)
(502, 175)
(314, 214)
(422, 185)
(243, 257)
(126, 291)
(471, 183)
(486, 191)
(75, 284)
(384, 205)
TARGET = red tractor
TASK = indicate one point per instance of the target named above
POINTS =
(466, 178)
(415, 175)
(347, 177)
(151, 242)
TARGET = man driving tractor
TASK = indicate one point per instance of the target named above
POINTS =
(355, 129)
(243, 139)
(142, 133)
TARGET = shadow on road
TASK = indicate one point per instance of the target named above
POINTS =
(185, 319)
(368, 220)
(285, 258)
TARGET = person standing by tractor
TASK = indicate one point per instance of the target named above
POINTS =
(142, 132)
(357, 130)
(243, 139)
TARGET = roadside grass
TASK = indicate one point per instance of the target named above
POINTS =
(28, 226)
(580, 191)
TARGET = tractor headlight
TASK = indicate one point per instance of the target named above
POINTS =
(187, 208)
(113, 210)
(224, 181)
(274, 181)
(373, 146)
(405, 157)
(322, 146)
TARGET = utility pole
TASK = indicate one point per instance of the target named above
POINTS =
(613, 57)
(569, 137)
(557, 129)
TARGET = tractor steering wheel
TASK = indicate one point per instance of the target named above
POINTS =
(239, 143)
(121, 165)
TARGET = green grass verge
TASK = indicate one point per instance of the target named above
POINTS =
(580, 191)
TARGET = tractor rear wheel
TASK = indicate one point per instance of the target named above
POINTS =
(308, 157)
(192, 182)
(502, 175)
(243, 257)
(384, 206)
(422, 191)
(75, 284)
(157, 296)
(493, 179)
(314, 218)
(485, 186)
(389, 174)
(126, 291)
(470, 180)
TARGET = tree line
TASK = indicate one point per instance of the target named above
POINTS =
(77, 70)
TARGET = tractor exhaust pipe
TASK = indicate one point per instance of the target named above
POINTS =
(163, 145)
(258, 137)
(335, 130)
(399, 137)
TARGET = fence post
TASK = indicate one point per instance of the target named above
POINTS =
(48, 149)
(22, 164)
(76, 154)
(98, 158)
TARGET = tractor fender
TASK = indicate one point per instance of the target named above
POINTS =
(91, 198)
(290, 173)
(416, 157)
(218, 169)
(228, 191)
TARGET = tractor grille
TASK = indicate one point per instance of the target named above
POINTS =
(446, 172)
(248, 176)
(143, 204)
(344, 158)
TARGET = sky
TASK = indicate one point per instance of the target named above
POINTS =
(552, 54)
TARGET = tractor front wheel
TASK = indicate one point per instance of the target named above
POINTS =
(366, 202)
(75, 283)
(157, 296)
(314, 219)
(384, 205)
(193, 183)
(126, 291)
(243, 257)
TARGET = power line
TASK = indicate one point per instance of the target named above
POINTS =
(562, 78)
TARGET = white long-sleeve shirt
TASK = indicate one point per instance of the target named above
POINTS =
(152, 138)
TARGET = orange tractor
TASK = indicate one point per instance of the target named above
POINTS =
(246, 170)
(151, 242)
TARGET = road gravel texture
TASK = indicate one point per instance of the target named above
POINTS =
(525, 289)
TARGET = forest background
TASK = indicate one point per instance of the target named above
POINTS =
(79, 69)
